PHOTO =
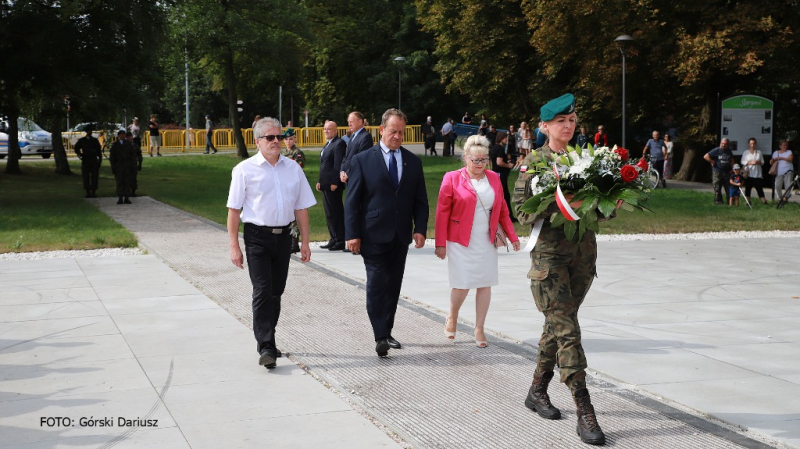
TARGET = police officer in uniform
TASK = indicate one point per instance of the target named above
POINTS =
(137, 150)
(123, 165)
(561, 273)
(90, 153)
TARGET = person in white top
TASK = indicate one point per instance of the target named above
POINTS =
(783, 179)
(752, 160)
(268, 191)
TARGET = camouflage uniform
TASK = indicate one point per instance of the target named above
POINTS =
(561, 273)
(298, 156)
(90, 153)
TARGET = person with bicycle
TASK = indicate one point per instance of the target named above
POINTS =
(658, 154)
(721, 159)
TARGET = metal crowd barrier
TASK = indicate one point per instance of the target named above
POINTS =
(174, 140)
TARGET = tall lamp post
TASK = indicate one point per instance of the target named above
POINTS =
(399, 60)
(622, 41)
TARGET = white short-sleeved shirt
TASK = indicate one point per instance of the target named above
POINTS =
(268, 195)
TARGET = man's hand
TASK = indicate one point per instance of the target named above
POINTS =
(419, 240)
(305, 252)
(318, 188)
(334, 187)
(343, 176)
(236, 256)
(441, 252)
(354, 245)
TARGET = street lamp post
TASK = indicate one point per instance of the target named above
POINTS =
(399, 60)
(622, 41)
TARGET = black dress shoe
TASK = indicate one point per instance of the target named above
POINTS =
(337, 247)
(278, 353)
(382, 347)
(346, 250)
(394, 343)
(266, 359)
(327, 245)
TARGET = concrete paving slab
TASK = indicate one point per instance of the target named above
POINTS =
(139, 342)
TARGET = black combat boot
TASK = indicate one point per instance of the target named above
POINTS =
(538, 400)
(588, 429)
(88, 194)
(119, 201)
(127, 200)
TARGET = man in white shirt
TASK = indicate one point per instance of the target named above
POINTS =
(268, 191)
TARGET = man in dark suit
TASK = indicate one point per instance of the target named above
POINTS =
(360, 140)
(330, 163)
(386, 204)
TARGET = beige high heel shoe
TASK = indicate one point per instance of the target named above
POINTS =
(447, 333)
(480, 343)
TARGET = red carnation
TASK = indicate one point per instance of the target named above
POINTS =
(628, 173)
(642, 164)
(623, 154)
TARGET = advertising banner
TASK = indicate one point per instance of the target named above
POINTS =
(746, 116)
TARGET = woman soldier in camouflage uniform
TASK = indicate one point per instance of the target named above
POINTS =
(561, 273)
(292, 152)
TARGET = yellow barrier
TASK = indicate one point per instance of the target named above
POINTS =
(174, 140)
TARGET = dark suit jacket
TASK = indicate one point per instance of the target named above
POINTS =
(374, 212)
(330, 164)
(361, 143)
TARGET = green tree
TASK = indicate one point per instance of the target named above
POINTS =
(244, 45)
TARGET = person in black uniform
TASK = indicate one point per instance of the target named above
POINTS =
(502, 163)
(137, 150)
(123, 166)
(90, 153)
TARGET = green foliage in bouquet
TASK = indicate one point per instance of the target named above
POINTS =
(597, 178)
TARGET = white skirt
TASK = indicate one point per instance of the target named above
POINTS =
(475, 266)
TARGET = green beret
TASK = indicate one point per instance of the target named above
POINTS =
(288, 133)
(564, 104)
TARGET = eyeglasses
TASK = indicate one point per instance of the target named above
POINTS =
(272, 137)
(480, 161)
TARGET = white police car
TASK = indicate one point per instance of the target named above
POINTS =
(33, 140)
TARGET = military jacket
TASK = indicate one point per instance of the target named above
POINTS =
(295, 154)
(122, 156)
(88, 149)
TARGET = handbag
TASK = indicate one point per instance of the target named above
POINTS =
(500, 239)
(774, 169)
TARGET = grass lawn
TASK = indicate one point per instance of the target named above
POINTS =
(41, 210)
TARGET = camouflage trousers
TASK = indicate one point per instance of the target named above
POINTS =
(561, 275)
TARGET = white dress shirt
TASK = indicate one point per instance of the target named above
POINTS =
(397, 155)
(268, 195)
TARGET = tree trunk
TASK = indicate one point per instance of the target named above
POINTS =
(59, 152)
(233, 113)
(14, 153)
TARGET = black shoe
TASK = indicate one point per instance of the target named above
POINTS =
(382, 347)
(205, 152)
(119, 201)
(159, 154)
(346, 250)
(278, 354)
(394, 343)
(94, 194)
(337, 247)
(127, 200)
(538, 400)
(215, 151)
(588, 428)
(88, 195)
(266, 359)
(327, 245)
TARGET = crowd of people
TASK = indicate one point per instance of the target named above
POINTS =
(734, 180)
(386, 210)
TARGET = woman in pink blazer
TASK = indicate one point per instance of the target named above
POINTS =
(469, 211)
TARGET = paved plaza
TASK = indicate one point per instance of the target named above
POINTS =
(688, 346)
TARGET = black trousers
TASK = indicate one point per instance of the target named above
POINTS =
(446, 145)
(124, 178)
(506, 192)
(334, 213)
(385, 264)
(751, 183)
(268, 264)
(91, 172)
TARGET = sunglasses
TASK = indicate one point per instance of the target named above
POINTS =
(480, 161)
(272, 137)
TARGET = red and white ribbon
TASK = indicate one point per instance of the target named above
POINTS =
(562, 202)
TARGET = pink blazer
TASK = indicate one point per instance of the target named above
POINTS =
(456, 209)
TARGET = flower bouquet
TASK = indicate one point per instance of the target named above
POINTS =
(599, 179)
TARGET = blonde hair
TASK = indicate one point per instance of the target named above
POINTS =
(476, 145)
